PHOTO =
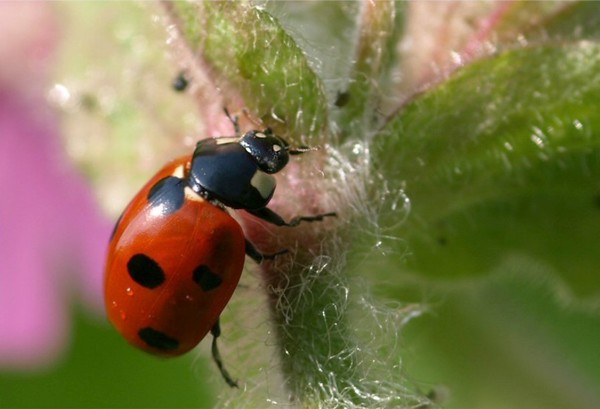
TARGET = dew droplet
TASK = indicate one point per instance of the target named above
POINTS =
(129, 291)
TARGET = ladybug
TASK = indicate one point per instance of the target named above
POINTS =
(176, 254)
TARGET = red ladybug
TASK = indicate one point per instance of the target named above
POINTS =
(176, 255)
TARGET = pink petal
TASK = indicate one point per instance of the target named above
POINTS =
(52, 239)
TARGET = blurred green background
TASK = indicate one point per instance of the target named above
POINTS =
(100, 370)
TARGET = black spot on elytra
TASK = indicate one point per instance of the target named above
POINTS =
(145, 271)
(157, 339)
(205, 278)
(168, 193)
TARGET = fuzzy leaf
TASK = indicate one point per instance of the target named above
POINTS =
(249, 49)
(501, 161)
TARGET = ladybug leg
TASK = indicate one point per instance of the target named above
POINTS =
(216, 332)
(270, 216)
(257, 256)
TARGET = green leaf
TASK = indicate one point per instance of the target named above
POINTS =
(501, 161)
(252, 53)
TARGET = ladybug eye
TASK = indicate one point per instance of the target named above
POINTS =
(269, 151)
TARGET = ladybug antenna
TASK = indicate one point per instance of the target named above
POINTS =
(302, 149)
(234, 121)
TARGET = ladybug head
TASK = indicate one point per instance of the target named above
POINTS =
(270, 151)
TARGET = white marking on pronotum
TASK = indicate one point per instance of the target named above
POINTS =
(264, 183)
(191, 195)
(260, 135)
(226, 139)
(178, 172)
(276, 148)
